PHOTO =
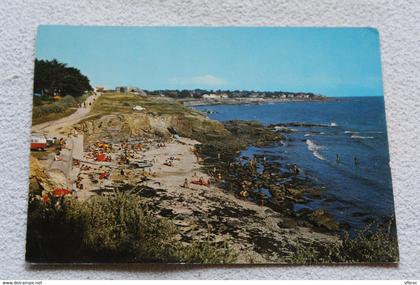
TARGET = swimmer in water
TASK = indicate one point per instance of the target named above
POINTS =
(356, 161)
(337, 158)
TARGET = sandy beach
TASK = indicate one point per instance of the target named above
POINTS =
(199, 211)
(168, 175)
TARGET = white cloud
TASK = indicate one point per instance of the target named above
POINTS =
(206, 80)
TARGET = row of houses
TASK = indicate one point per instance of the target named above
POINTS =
(126, 89)
(120, 89)
(215, 96)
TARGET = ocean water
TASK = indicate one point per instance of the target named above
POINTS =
(358, 186)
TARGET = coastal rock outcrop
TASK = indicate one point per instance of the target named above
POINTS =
(117, 127)
(40, 181)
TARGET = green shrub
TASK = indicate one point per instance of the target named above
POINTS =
(83, 98)
(205, 252)
(119, 227)
(59, 106)
(371, 244)
(67, 101)
(49, 110)
(55, 230)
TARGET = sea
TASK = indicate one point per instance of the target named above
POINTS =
(347, 153)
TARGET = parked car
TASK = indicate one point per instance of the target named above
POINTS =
(51, 141)
(38, 142)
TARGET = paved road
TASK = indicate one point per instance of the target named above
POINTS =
(53, 128)
(77, 147)
(74, 144)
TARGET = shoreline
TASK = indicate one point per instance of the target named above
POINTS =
(245, 101)
(150, 155)
(253, 231)
(239, 223)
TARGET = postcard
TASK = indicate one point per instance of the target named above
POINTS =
(217, 145)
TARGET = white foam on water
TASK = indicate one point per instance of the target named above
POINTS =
(314, 148)
(307, 135)
(374, 132)
(350, 132)
(361, 137)
(333, 124)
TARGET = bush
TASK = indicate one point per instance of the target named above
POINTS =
(119, 227)
(53, 110)
(67, 101)
(55, 230)
(205, 252)
(114, 228)
(372, 244)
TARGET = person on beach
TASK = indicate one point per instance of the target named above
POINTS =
(62, 143)
(251, 164)
(243, 194)
(57, 156)
(185, 185)
(261, 197)
(295, 169)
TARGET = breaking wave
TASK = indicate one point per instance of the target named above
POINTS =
(374, 132)
(314, 148)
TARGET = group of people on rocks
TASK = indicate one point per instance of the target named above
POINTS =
(170, 161)
(100, 152)
(130, 151)
(197, 181)
(98, 173)
(59, 146)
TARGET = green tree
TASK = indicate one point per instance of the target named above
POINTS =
(56, 78)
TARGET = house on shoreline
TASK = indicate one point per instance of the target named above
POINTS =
(127, 89)
(215, 96)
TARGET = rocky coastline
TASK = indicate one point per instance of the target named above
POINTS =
(190, 102)
(199, 181)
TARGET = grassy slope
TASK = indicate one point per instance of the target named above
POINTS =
(53, 116)
(45, 111)
(188, 122)
(124, 102)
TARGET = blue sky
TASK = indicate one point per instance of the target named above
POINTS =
(329, 61)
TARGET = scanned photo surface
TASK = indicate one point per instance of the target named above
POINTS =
(209, 145)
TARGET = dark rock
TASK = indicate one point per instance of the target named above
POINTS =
(168, 213)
